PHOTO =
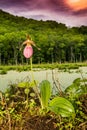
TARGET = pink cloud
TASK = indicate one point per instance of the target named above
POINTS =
(46, 10)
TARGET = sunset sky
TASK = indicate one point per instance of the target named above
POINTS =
(69, 12)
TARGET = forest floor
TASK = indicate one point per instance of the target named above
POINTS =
(48, 121)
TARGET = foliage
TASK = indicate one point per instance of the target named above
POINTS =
(78, 87)
(62, 106)
(58, 44)
(3, 72)
(63, 66)
(58, 105)
(16, 113)
(63, 44)
(45, 92)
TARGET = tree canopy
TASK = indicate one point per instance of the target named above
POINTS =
(58, 42)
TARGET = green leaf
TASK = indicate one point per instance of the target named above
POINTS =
(26, 91)
(27, 84)
(23, 84)
(45, 91)
(62, 106)
(76, 88)
(33, 83)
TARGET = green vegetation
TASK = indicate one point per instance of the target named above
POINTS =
(58, 43)
(20, 107)
(63, 66)
(78, 87)
(45, 92)
(62, 106)
(28, 105)
(3, 72)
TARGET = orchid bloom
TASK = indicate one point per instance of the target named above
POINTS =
(28, 50)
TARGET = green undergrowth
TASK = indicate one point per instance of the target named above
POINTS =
(27, 100)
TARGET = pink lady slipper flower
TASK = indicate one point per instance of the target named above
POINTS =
(28, 50)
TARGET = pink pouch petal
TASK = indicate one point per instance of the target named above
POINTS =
(28, 51)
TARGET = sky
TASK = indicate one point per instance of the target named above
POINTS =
(69, 12)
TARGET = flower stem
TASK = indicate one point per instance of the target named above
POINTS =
(31, 69)
(34, 79)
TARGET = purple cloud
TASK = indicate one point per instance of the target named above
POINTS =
(57, 10)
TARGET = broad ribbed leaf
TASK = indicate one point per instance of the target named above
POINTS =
(62, 106)
(45, 91)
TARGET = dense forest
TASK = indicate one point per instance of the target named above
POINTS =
(58, 42)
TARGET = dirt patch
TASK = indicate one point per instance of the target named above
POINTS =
(41, 123)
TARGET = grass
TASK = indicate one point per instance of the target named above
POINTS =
(3, 72)
(63, 66)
